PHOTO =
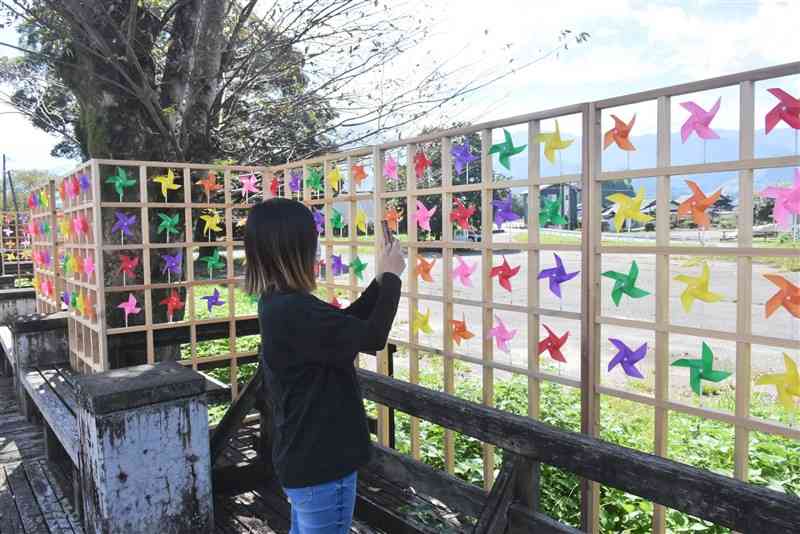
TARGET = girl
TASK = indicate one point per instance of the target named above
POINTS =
(307, 351)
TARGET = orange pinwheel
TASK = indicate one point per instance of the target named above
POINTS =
(393, 217)
(460, 331)
(788, 296)
(359, 174)
(209, 184)
(619, 134)
(424, 269)
(697, 204)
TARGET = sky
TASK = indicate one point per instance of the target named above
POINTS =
(635, 45)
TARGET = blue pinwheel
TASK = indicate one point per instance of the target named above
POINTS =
(627, 358)
(557, 276)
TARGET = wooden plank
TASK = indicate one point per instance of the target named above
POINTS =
(10, 522)
(55, 517)
(722, 500)
(494, 518)
(232, 420)
(61, 420)
(60, 483)
(63, 389)
(33, 521)
(523, 521)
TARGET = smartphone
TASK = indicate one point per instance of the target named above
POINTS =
(387, 234)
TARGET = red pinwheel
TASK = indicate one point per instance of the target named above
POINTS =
(421, 162)
(127, 266)
(172, 302)
(787, 110)
(552, 344)
(460, 214)
(504, 274)
(273, 186)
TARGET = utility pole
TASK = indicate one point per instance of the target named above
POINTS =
(5, 205)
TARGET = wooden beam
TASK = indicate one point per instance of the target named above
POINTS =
(232, 420)
(524, 521)
(494, 517)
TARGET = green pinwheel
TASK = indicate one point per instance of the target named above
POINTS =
(213, 262)
(357, 267)
(337, 221)
(702, 369)
(625, 283)
(65, 264)
(120, 181)
(168, 224)
(550, 212)
(314, 179)
(506, 149)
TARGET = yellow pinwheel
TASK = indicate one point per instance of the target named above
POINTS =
(421, 322)
(697, 288)
(37, 285)
(552, 142)
(361, 220)
(211, 221)
(64, 227)
(167, 183)
(335, 179)
(787, 385)
(628, 208)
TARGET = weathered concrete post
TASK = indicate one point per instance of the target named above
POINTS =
(16, 302)
(144, 451)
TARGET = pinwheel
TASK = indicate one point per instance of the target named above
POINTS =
(8, 231)
(33, 201)
(697, 288)
(314, 179)
(88, 266)
(339, 268)
(295, 177)
(625, 284)
(337, 221)
(788, 296)
(123, 224)
(393, 217)
(129, 307)
(64, 228)
(214, 261)
(699, 121)
(127, 266)
(390, 168)
(47, 288)
(552, 143)
(504, 211)
(210, 185)
(557, 275)
(786, 110)
(79, 303)
(628, 208)
(550, 212)
(66, 264)
(787, 385)
(463, 271)
(502, 335)
(461, 214)
(506, 149)
(167, 183)
(168, 224)
(553, 344)
(76, 265)
(62, 191)
(319, 220)
(335, 303)
(211, 221)
(423, 216)
(619, 134)
(357, 267)
(421, 162)
(66, 298)
(213, 300)
(335, 178)
(424, 268)
(462, 156)
(697, 204)
(361, 221)
(787, 201)
(359, 174)
(701, 369)
(627, 358)
(173, 264)
(84, 182)
(460, 331)
(173, 302)
(80, 225)
(120, 181)
(72, 186)
(249, 182)
(504, 274)
(45, 228)
(421, 322)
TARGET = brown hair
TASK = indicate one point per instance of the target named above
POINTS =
(280, 243)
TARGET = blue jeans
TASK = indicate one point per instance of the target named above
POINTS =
(326, 508)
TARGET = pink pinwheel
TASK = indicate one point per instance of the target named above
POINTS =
(88, 266)
(423, 216)
(213, 300)
(787, 110)
(248, 182)
(462, 272)
(390, 168)
(73, 187)
(129, 307)
(552, 344)
(47, 288)
(627, 358)
(787, 201)
(699, 121)
(80, 225)
(502, 335)
(503, 211)
(557, 276)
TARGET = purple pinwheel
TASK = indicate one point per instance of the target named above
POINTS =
(338, 266)
(462, 156)
(557, 275)
(627, 358)
(123, 223)
(213, 300)
(173, 264)
(503, 212)
(65, 298)
(84, 182)
(294, 182)
(319, 220)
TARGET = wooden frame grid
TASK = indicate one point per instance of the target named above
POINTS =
(15, 244)
(42, 230)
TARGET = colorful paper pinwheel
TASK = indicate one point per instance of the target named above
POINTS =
(335, 178)
(120, 181)
(339, 268)
(314, 179)
(424, 268)
(129, 307)
(80, 225)
(628, 208)
(295, 177)
(249, 184)
(552, 143)
(506, 149)
(274, 186)
(337, 220)
(788, 296)
(88, 266)
(619, 134)
(62, 190)
(697, 204)
(502, 335)
(214, 261)
(553, 344)
(209, 184)
(627, 358)
(460, 331)
(504, 274)
(359, 174)
(423, 216)
(84, 182)
(167, 183)
(787, 201)
(335, 303)
(64, 227)
(461, 214)
(211, 221)
(786, 110)
(787, 385)
(357, 267)
(393, 217)
(550, 212)
(702, 369)
(557, 275)
(699, 121)
(504, 211)
(213, 300)
(462, 156)
(173, 264)
(33, 201)
(421, 162)
(168, 224)
(697, 288)
(422, 322)
(390, 168)
(625, 284)
(173, 303)
(462, 271)
(319, 220)
(72, 186)
(361, 221)
(123, 224)
(127, 266)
